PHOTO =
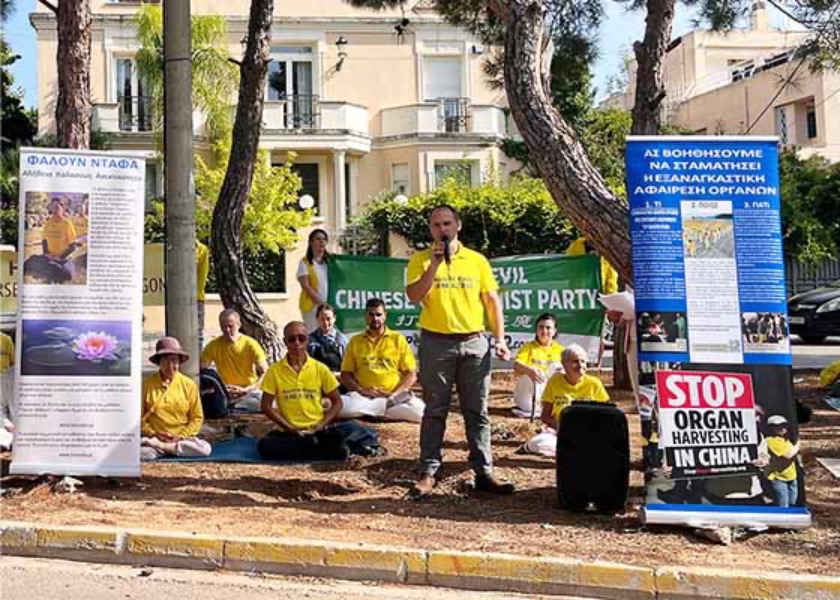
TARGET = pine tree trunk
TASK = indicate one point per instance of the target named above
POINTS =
(575, 184)
(650, 55)
(226, 243)
(72, 109)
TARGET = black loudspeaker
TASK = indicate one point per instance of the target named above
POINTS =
(593, 457)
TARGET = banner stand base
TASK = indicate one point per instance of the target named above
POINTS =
(704, 515)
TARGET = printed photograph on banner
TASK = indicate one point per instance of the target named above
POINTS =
(765, 332)
(720, 437)
(70, 348)
(707, 229)
(663, 332)
(55, 238)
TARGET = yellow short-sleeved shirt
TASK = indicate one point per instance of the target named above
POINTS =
(560, 393)
(202, 266)
(609, 276)
(58, 233)
(7, 352)
(534, 354)
(174, 409)
(235, 361)
(297, 396)
(379, 363)
(453, 304)
(80, 224)
(778, 447)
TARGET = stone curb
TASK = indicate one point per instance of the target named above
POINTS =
(465, 570)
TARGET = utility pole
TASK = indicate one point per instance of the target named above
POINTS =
(181, 304)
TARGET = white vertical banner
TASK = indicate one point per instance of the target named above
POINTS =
(81, 304)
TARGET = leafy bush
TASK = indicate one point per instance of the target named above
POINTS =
(810, 190)
(498, 220)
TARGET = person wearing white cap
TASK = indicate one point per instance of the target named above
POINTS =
(172, 413)
(781, 472)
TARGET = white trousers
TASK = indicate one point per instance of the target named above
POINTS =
(187, 447)
(524, 394)
(354, 405)
(544, 443)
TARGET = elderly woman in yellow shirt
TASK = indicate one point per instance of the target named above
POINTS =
(535, 362)
(572, 385)
(172, 414)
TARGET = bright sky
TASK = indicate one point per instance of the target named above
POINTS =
(618, 32)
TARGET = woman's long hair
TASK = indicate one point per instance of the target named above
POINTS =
(310, 256)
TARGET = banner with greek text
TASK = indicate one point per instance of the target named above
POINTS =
(79, 335)
(566, 286)
(716, 399)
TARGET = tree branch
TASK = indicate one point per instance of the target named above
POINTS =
(49, 5)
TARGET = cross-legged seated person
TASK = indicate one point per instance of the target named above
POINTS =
(561, 390)
(240, 361)
(295, 391)
(535, 363)
(172, 414)
(379, 370)
(326, 343)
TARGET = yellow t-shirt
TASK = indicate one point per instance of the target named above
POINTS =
(7, 352)
(560, 393)
(58, 233)
(174, 409)
(453, 304)
(534, 354)
(777, 447)
(80, 224)
(297, 396)
(379, 363)
(202, 266)
(235, 361)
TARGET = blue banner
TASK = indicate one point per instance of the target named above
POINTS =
(707, 250)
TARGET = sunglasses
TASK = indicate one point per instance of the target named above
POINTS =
(300, 338)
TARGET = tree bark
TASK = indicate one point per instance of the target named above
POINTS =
(650, 54)
(226, 242)
(72, 108)
(575, 184)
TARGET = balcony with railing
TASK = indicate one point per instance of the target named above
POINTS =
(127, 114)
(443, 116)
(301, 112)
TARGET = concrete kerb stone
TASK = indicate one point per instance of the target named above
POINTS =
(465, 570)
(505, 572)
(675, 583)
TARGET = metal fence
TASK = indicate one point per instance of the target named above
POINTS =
(803, 277)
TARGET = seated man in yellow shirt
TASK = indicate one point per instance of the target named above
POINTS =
(573, 384)
(378, 370)
(172, 415)
(240, 362)
(301, 396)
(7, 379)
(535, 362)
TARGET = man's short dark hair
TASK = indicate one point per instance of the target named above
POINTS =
(374, 303)
(448, 207)
(322, 307)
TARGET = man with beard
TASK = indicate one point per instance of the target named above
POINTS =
(378, 370)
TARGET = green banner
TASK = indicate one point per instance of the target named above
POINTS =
(566, 286)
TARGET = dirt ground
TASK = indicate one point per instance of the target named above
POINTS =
(366, 501)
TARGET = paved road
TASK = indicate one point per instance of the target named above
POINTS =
(804, 356)
(31, 578)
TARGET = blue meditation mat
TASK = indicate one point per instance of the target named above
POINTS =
(237, 450)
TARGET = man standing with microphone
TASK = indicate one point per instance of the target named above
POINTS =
(455, 286)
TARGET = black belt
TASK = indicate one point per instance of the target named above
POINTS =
(454, 337)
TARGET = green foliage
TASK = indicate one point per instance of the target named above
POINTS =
(604, 139)
(498, 220)
(9, 226)
(810, 210)
(214, 78)
(271, 218)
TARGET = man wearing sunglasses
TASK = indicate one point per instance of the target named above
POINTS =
(295, 392)
(455, 288)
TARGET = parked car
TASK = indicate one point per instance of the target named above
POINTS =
(815, 315)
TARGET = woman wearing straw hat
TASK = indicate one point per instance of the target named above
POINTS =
(172, 415)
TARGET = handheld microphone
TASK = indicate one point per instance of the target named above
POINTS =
(447, 256)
